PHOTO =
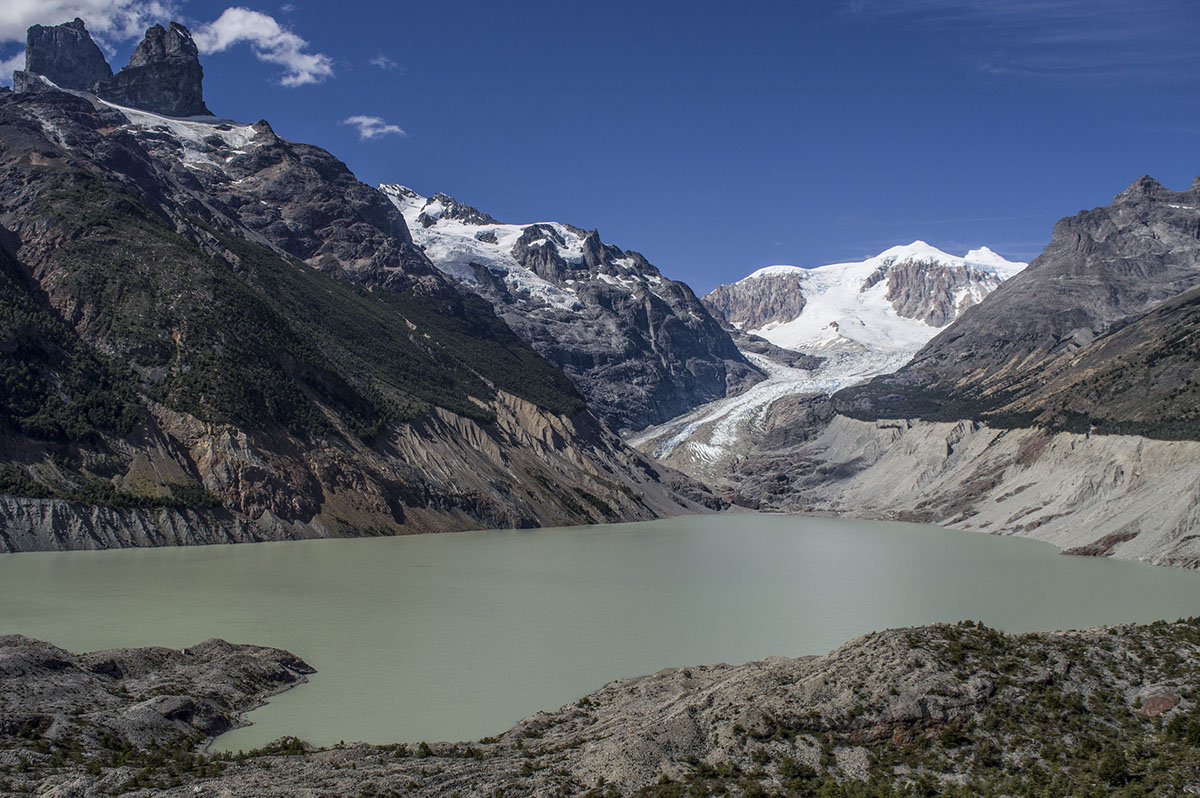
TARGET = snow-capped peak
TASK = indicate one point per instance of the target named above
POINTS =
(892, 302)
(916, 251)
(403, 197)
(988, 260)
(981, 259)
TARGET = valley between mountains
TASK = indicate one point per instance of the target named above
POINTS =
(213, 334)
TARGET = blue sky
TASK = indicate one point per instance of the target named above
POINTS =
(717, 138)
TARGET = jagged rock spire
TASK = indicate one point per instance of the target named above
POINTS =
(164, 75)
(64, 54)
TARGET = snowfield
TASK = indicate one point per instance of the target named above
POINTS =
(840, 315)
(195, 135)
(457, 247)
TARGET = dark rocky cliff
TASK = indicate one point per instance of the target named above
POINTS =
(164, 75)
(65, 54)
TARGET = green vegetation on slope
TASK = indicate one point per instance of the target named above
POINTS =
(269, 339)
(209, 323)
(53, 387)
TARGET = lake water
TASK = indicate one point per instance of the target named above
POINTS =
(458, 636)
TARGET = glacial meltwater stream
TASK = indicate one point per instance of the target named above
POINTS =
(457, 636)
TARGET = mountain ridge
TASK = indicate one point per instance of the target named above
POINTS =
(640, 347)
(1105, 269)
(1063, 407)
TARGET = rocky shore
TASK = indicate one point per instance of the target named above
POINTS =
(938, 710)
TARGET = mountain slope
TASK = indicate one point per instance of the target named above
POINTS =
(216, 335)
(641, 348)
(1103, 269)
(1063, 407)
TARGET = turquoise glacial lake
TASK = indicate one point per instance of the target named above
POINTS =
(458, 636)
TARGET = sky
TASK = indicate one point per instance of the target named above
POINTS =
(715, 138)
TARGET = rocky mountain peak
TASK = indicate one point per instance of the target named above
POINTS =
(163, 76)
(64, 54)
(1103, 271)
(1145, 187)
(641, 348)
(453, 209)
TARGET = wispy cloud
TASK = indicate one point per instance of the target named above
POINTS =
(373, 127)
(270, 41)
(385, 62)
(1100, 40)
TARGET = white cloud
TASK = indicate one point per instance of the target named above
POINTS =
(117, 19)
(1111, 40)
(271, 42)
(10, 65)
(121, 20)
(372, 127)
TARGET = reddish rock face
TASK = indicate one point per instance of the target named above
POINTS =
(1159, 702)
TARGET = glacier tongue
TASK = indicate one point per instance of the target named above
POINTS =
(704, 441)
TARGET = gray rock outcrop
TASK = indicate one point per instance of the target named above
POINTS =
(135, 697)
(931, 292)
(753, 304)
